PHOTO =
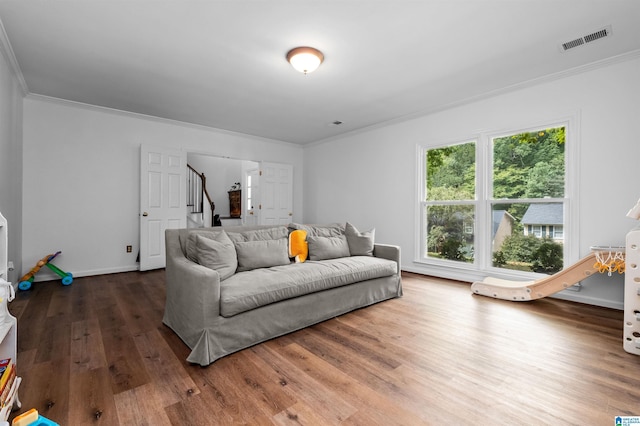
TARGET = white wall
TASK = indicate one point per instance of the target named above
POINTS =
(82, 172)
(11, 161)
(369, 178)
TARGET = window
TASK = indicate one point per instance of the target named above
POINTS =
(450, 202)
(536, 231)
(497, 201)
(558, 233)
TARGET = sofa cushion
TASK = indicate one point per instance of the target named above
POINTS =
(272, 233)
(218, 254)
(261, 254)
(321, 248)
(248, 290)
(328, 230)
(360, 243)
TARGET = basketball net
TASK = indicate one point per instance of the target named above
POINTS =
(609, 259)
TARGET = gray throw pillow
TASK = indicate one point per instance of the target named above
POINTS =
(190, 241)
(262, 254)
(360, 243)
(322, 248)
(218, 254)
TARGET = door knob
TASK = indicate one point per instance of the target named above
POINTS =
(145, 214)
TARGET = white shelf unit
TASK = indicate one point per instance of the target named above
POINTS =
(8, 349)
(8, 327)
(631, 333)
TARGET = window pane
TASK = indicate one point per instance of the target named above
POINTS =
(529, 165)
(450, 232)
(451, 173)
(528, 237)
(558, 233)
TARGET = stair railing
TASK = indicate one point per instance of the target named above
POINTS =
(196, 192)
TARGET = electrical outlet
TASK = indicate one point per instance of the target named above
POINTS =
(129, 249)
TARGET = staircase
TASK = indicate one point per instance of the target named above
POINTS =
(200, 213)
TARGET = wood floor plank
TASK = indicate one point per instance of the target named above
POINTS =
(87, 350)
(328, 404)
(60, 303)
(33, 316)
(54, 344)
(83, 306)
(197, 411)
(45, 387)
(299, 414)
(125, 364)
(172, 381)
(141, 406)
(91, 398)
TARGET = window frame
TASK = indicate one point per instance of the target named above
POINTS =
(483, 202)
(422, 197)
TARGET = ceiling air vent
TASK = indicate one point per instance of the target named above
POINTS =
(604, 32)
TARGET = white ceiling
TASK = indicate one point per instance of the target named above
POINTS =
(222, 63)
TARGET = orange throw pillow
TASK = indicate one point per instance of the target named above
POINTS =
(298, 247)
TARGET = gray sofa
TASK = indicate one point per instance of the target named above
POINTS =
(230, 288)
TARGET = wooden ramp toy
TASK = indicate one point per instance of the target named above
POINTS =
(600, 260)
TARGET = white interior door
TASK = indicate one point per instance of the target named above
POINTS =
(276, 193)
(163, 202)
(252, 193)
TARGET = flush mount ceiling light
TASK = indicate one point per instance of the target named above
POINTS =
(305, 59)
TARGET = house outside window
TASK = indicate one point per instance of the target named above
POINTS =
(544, 220)
(496, 185)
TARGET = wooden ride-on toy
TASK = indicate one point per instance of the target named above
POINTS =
(27, 279)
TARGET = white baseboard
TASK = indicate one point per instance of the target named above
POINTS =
(596, 301)
(50, 276)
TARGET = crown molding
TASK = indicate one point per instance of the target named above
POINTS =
(10, 57)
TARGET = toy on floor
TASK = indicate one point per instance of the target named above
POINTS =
(32, 418)
(608, 260)
(27, 279)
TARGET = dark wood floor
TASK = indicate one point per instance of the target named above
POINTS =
(96, 352)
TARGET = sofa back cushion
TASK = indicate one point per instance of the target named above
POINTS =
(261, 234)
(218, 254)
(261, 247)
(314, 230)
(323, 248)
(261, 254)
(325, 241)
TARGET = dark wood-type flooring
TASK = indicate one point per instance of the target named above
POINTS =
(96, 352)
